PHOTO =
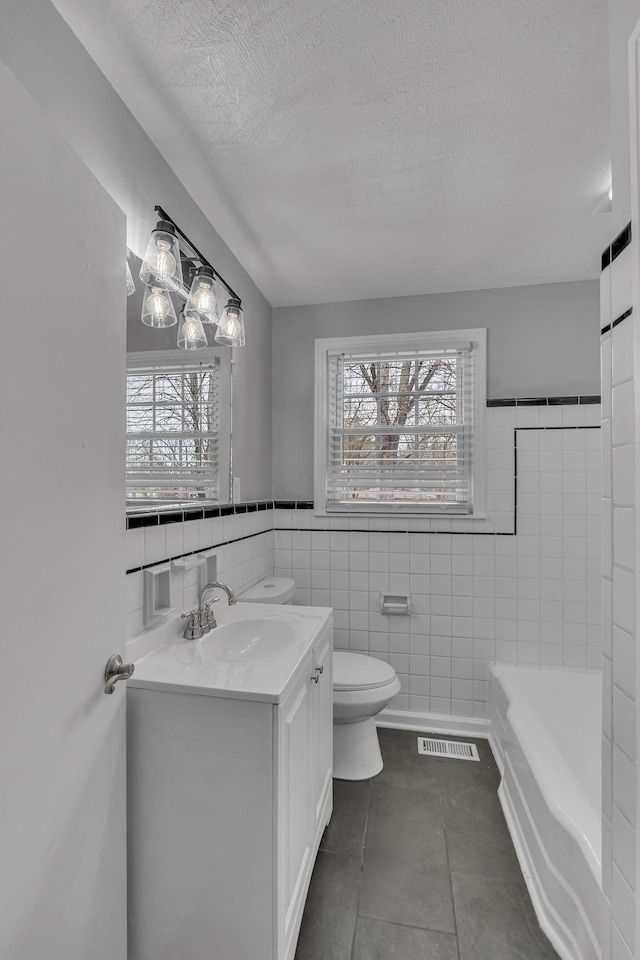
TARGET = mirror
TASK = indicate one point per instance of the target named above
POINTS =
(178, 414)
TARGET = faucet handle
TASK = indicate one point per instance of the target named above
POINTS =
(209, 617)
(193, 629)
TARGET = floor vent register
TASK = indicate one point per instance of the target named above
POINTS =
(449, 749)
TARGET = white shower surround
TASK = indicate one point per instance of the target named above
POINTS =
(545, 734)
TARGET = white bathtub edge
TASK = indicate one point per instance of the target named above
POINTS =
(435, 723)
(557, 868)
(540, 904)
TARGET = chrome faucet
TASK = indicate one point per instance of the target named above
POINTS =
(205, 613)
(202, 620)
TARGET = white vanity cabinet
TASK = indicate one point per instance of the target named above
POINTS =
(228, 800)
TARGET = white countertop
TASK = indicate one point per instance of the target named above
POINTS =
(177, 665)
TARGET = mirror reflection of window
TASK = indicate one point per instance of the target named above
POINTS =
(178, 416)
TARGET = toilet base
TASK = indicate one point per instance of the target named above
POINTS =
(356, 750)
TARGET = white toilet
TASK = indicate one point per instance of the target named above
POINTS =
(362, 687)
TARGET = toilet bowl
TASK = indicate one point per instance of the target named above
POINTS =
(362, 687)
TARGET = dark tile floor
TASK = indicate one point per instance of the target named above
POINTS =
(417, 864)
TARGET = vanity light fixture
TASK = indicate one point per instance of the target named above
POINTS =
(161, 264)
(230, 330)
(162, 273)
(157, 307)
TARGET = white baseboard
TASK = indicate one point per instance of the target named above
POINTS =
(434, 723)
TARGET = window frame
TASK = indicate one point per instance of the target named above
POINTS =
(157, 361)
(376, 344)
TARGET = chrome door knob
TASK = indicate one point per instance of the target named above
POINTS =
(116, 670)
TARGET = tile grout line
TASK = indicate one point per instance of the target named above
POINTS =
(364, 846)
(446, 847)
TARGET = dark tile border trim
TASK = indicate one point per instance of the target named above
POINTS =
(623, 316)
(621, 241)
(543, 401)
(614, 323)
(412, 533)
(161, 517)
(191, 553)
(293, 504)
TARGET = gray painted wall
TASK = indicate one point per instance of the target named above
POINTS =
(48, 59)
(542, 341)
(623, 17)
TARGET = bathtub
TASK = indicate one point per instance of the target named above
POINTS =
(546, 731)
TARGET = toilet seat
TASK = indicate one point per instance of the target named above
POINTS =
(356, 671)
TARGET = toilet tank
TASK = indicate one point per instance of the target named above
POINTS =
(270, 590)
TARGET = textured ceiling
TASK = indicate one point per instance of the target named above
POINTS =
(370, 148)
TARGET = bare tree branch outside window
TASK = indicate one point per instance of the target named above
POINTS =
(399, 433)
(172, 435)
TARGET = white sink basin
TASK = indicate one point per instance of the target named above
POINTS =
(245, 641)
(253, 653)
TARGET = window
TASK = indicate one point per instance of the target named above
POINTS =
(400, 423)
(176, 447)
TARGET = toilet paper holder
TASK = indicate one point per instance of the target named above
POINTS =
(394, 604)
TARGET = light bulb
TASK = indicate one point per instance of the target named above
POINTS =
(232, 327)
(157, 308)
(161, 264)
(202, 297)
(158, 304)
(203, 300)
(610, 194)
(230, 330)
(191, 329)
(162, 261)
(191, 335)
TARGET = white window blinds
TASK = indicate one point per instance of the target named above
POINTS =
(173, 431)
(400, 429)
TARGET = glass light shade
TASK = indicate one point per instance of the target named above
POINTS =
(230, 330)
(157, 307)
(131, 287)
(161, 264)
(191, 335)
(202, 297)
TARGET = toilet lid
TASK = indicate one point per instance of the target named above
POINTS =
(355, 671)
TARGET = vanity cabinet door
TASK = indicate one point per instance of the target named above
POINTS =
(295, 825)
(322, 736)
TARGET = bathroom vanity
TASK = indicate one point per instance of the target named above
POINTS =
(230, 785)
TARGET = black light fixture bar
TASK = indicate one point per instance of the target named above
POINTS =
(203, 260)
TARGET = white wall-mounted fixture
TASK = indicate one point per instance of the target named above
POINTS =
(392, 603)
(157, 594)
(184, 564)
(208, 571)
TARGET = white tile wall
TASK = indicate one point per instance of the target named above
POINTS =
(619, 614)
(531, 599)
(244, 550)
